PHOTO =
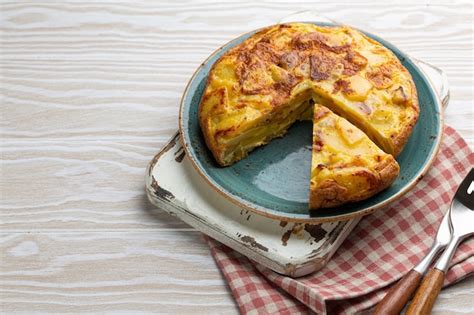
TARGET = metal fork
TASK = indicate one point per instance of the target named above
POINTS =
(398, 296)
(457, 224)
(462, 220)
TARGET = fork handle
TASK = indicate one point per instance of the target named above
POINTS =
(399, 294)
(426, 295)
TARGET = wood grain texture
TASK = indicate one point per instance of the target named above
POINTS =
(90, 92)
(98, 272)
(397, 297)
(427, 293)
(80, 185)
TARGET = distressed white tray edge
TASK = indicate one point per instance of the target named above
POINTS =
(292, 249)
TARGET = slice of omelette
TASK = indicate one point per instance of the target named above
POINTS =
(346, 165)
(259, 88)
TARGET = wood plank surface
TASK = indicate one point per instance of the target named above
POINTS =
(78, 185)
(154, 271)
(90, 92)
(122, 67)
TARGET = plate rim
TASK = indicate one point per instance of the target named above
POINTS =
(298, 218)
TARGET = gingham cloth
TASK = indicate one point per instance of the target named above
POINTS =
(382, 248)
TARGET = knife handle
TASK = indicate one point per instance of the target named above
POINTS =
(426, 295)
(397, 297)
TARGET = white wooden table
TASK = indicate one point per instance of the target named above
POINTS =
(90, 92)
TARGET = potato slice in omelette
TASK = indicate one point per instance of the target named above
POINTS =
(346, 165)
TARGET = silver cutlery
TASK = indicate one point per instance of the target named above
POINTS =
(457, 224)
(398, 296)
(462, 220)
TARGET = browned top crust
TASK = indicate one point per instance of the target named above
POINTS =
(261, 79)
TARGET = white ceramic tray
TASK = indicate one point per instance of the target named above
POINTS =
(293, 249)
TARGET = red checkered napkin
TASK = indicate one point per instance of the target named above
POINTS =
(381, 249)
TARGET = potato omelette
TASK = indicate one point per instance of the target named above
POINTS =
(260, 87)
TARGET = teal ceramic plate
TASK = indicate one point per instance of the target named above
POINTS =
(274, 179)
